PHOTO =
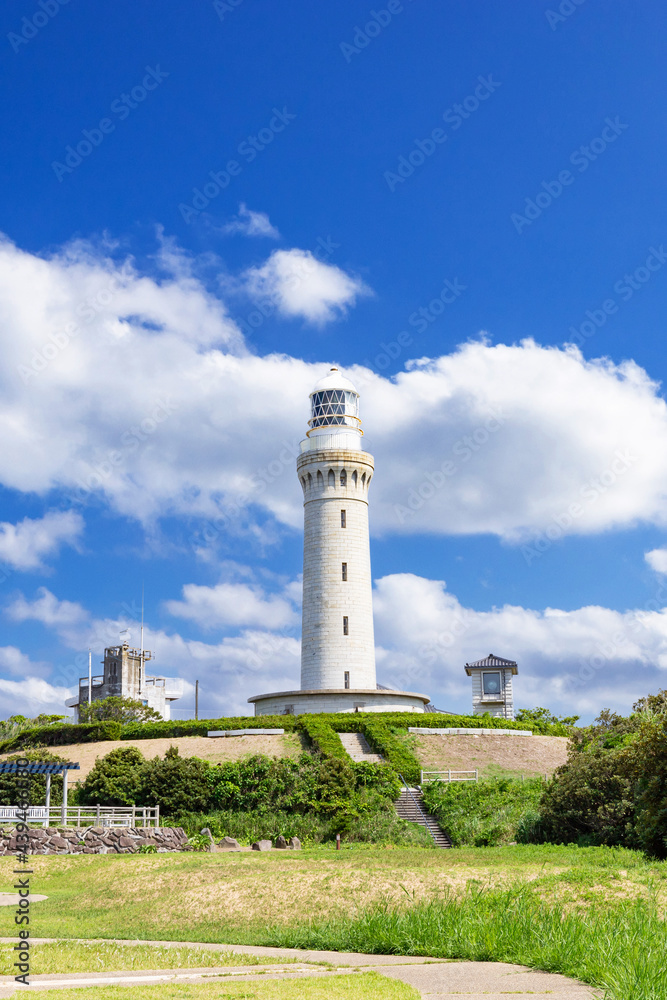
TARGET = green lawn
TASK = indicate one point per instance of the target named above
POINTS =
(77, 956)
(593, 913)
(368, 985)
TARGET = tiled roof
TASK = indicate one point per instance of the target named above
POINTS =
(492, 661)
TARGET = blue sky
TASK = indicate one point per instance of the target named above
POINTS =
(439, 198)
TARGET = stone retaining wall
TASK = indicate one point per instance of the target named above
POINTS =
(94, 840)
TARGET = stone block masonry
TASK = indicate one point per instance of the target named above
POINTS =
(95, 840)
(335, 487)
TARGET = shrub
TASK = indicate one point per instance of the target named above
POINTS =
(325, 740)
(118, 709)
(8, 782)
(483, 813)
(115, 780)
(176, 783)
(542, 722)
(649, 765)
(394, 749)
(591, 800)
(62, 735)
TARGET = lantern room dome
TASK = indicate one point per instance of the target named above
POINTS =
(334, 379)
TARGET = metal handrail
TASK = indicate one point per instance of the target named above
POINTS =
(449, 778)
(419, 808)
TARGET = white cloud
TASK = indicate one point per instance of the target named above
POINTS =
(168, 414)
(232, 604)
(657, 560)
(301, 285)
(47, 609)
(24, 545)
(574, 662)
(32, 696)
(249, 223)
(13, 661)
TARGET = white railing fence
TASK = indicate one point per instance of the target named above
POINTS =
(130, 816)
(449, 776)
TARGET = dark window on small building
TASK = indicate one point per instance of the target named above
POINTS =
(344, 571)
(491, 683)
(347, 680)
(346, 625)
(343, 519)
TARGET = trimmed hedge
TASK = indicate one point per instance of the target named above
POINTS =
(200, 727)
(325, 740)
(344, 722)
(392, 748)
(62, 735)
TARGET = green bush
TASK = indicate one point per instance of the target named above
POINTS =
(8, 782)
(118, 709)
(62, 735)
(115, 780)
(590, 801)
(393, 748)
(175, 783)
(325, 740)
(483, 813)
(649, 766)
(172, 728)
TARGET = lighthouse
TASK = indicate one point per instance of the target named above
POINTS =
(337, 641)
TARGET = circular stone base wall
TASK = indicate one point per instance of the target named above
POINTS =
(312, 702)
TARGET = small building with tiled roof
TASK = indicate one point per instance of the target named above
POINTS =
(492, 686)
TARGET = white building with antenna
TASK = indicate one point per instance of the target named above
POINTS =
(337, 643)
(125, 676)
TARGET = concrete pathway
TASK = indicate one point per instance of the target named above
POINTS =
(438, 979)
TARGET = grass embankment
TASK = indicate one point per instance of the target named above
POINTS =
(374, 827)
(593, 913)
(484, 813)
(368, 985)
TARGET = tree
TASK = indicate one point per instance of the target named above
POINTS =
(178, 784)
(115, 780)
(8, 782)
(649, 761)
(542, 718)
(118, 709)
(591, 800)
(652, 703)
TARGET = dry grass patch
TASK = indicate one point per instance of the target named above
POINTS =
(491, 755)
(216, 751)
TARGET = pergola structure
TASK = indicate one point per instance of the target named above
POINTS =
(43, 767)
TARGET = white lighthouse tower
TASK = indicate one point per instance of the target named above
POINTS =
(337, 643)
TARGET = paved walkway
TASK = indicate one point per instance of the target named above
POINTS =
(437, 979)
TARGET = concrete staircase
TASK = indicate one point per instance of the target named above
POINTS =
(357, 747)
(409, 806)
